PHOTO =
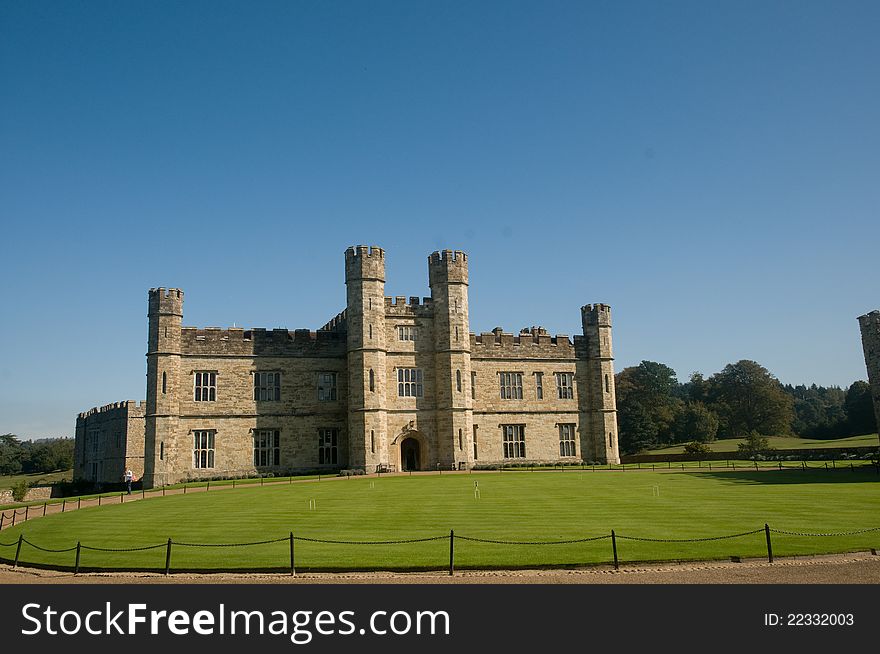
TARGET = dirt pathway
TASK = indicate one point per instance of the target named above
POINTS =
(857, 568)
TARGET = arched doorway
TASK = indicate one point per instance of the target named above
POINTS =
(410, 454)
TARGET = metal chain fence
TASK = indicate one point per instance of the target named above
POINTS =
(451, 537)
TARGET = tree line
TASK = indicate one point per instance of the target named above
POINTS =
(744, 399)
(45, 455)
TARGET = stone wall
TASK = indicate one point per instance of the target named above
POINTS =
(870, 328)
(109, 440)
(33, 495)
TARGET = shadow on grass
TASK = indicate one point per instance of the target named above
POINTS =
(840, 475)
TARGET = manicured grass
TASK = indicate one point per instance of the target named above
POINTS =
(782, 443)
(518, 506)
(41, 478)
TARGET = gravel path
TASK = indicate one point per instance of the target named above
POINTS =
(856, 568)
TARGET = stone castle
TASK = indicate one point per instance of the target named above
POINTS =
(869, 325)
(388, 384)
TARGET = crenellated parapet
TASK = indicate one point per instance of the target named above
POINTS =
(447, 267)
(596, 315)
(165, 302)
(258, 341)
(365, 262)
(526, 344)
(336, 324)
(412, 306)
(116, 409)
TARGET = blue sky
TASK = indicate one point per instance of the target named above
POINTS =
(708, 169)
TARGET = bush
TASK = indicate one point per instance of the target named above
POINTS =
(697, 449)
(20, 489)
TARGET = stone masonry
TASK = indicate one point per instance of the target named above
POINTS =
(870, 328)
(389, 383)
(109, 440)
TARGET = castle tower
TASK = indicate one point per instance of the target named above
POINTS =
(448, 278)
(870, 328)
(165, 314)
(598, 408)
(365, 318)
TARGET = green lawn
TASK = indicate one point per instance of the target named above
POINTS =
(39, 478)
(782, 443)
(516, 506)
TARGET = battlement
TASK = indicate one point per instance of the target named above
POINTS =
(279, 341)
(535, 342)
(128, 407)
(596, 314)
(401, 305)
(447, 267)
(336, 324)
(365, 262)
(870, 317)
(165, 301)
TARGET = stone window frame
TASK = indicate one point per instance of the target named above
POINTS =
(327, 386)
(567, 439)
(328, 446)
(267, 448)
(476, 427)
(539, 385)
(410, 382)
(204, 385)
(511, 385)
(264, 389)
(407, 333)
(513, 441)
(564, 385)
(204, 448)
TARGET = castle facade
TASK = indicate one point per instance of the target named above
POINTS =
(389, 384)
(869, 326)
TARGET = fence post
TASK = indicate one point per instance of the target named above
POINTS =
(143, 493)
(292, 568)
(14, 513)
(76, 566)
(122, 498)
(18, 549)
(451, 551)
(163, 491)
(208, 487)
(769, 546)
(184, 489)
(44, 508)
(614, 548)
(261, 480)
(27, 510)
(2, 518)
(99, 501)
(756, 465)
(168, 558)
(63, 504)
(78, 502)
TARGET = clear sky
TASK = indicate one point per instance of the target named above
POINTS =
(710, 169)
